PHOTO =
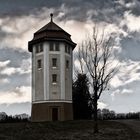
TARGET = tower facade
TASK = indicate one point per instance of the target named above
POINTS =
(51, 49)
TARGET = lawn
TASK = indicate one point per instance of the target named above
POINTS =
(70, 130)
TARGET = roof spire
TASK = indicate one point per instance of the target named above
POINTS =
(51, 15)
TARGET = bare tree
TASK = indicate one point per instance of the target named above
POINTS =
(95, 58)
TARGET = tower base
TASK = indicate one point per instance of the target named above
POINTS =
(54, 111)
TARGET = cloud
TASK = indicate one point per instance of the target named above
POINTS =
(14, 56)
(9, 71)
(24, 68)
(126, 91)
(101, 105)
(17, 33)
(127, 3)
(131, 4)
(128, 73)
(130, 47)
(131, 21)
(17, 95)
(25, 7)
(4, 63)
(121, 93)
(4, 81)
(15, 74)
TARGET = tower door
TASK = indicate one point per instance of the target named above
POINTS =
(54, 114)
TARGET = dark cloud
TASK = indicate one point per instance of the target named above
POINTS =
(101, 10)
(108, 10)
(135, 8)
(24, 7)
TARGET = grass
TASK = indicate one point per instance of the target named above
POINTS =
(70, 130)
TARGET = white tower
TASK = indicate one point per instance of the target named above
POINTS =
(51, 49)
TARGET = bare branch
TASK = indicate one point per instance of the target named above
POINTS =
(96, 53)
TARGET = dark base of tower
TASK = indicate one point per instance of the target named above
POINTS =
(58, 111)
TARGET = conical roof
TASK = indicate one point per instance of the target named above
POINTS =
(50, 32)
(51, 26)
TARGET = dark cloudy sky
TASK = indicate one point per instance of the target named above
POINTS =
(19, 19)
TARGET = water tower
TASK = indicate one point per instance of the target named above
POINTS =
(52, 58)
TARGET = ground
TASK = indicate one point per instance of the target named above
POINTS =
(71, 130)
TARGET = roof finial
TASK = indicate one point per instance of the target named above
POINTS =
(51, 15)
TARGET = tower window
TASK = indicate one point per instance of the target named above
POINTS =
(39, 48)
(54, 62)
(51, 46)
(67, 64)
(67, 49)
(54, 46)
(39, 64)
(54, 78)
(54, 92)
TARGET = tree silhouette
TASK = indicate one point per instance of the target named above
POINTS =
(81, 97)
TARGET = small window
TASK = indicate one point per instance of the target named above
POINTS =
(67, 64)
(54, 92)
(69, 49)
(37, 49)
(54, 62)
(66, 48)
(41, 48)
(54, 78)
(51, 46)
(56, 46)
(39, 64)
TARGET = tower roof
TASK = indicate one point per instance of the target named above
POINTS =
(51, 26)
(50, 32)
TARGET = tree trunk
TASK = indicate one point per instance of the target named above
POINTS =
(95, 115)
